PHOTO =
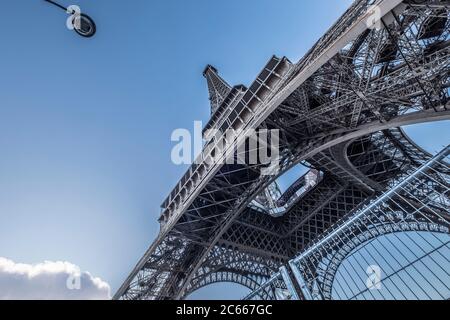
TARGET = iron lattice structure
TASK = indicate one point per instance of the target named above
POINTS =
(383, 65)
(404, 232)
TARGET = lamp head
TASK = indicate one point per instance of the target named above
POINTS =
(84, 25)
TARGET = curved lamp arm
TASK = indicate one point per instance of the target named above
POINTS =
(56, 4)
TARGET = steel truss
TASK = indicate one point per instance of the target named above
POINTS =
(337, 110)
(405, 230)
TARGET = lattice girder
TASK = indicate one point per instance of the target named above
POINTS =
(320, 103)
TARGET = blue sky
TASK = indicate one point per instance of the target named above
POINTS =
(85, 125)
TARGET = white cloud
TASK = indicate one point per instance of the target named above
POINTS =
(48, 281)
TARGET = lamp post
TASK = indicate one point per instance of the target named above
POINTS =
(80, 22)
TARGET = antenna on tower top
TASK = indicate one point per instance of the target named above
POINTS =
(218, 88)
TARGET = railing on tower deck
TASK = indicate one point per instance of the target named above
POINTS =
(291, 196)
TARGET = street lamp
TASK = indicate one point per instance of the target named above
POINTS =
(80, 22)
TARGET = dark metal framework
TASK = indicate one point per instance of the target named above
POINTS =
(404, 233)
(339, 110)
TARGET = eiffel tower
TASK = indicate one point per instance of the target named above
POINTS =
(339, 110)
